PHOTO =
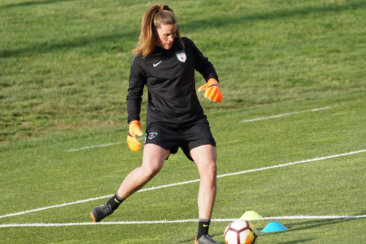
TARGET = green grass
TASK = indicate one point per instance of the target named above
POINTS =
(64, 68)
(65, 64)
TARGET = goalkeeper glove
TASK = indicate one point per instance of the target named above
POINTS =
(213, 91)
(134, 129)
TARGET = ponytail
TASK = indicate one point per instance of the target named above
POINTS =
(153, 18)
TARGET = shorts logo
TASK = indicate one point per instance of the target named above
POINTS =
(181, 56)
(152, 135)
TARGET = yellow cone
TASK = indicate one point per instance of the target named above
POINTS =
(251, 215)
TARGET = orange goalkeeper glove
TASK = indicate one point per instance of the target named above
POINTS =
(213, 91)
(134, 129)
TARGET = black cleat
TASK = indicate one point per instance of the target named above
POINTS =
(205, 239)
(101, 212)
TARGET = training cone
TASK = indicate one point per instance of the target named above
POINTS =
(251, 215)
(274, 226)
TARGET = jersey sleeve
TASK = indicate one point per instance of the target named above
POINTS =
(135, 90)
(201, 63)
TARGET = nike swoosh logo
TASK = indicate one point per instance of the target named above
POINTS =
(156, 64)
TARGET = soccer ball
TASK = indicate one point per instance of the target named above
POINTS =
(240, 232)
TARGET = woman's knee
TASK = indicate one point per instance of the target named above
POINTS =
(211, 169)
(152, 169)
(153, 159)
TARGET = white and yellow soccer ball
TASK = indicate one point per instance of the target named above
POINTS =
(240, 232)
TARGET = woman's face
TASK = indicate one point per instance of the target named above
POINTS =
(166, 35)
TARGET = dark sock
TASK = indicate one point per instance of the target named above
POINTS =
(203, 226)
(115, 201)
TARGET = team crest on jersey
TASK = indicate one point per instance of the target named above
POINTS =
(181, 56)
(152, 135)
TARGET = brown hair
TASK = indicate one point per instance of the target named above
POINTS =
(153, 18)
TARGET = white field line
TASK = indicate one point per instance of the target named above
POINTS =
(296, 217)
(94, 146)
(191, 181)
(316, 217)
(293, 163)
(284, 114)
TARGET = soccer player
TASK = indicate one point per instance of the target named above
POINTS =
(165, 63)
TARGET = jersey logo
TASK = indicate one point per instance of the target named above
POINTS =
(156, 64)
(181, 56)
(152, 135)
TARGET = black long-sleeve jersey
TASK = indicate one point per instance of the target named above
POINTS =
(170, 79)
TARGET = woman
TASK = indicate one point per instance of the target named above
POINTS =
(165, 63)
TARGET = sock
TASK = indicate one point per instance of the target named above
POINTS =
(203, 226)
(115, 201)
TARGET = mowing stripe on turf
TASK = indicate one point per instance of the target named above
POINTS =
(243, 121)
(191, 181)
(284, 114)
(296, 217)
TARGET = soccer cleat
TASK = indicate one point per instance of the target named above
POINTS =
(101, 212)
(205, 239)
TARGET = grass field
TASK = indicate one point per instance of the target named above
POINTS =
(290, 131)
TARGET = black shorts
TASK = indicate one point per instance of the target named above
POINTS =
(186, 137)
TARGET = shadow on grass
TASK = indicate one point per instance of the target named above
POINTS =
(297, 241)
(31, 3)
(193, 26)
(46, 47)
(311, 224)
(213, 236)
(216, 22)
(317, 223)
